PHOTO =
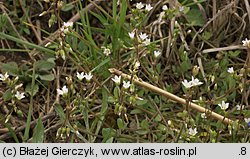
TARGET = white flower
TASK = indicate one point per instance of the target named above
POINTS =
(223, 105)
(80, 76)
(4, 77)
(186, 84)
(230, 70)
(195, 82)
(88, 76)
(117, 79)
(67, 24)
(238, 107)
(146, 42)
(107, 51)
(203, 115)
(126, 85)
(19, 95)
(169, 122)
(65, 27)
(148, 7)
(157, 54)
(192, 132)
(165, 7)
(64, 91)
(139, 5)
(181, 9)
(131, 34)
(246, 43)
(143, 36)
(137, 65)
(247, 120)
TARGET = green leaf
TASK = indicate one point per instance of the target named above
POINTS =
(207, 35)
(141, 102)
(234, 53)
(144, 124)
(107, 133)
(68, 7)
(111, 99)
(136, 111)
(195, 17)
(116, 92)
(38, 132)
(43, 65)
(142, 132)
(7, 95)
(110, 140)
(120, 123)
(47, 77)
(28, 89)
(59, 111)
(162, 128)
(11, 68)
(158, 118)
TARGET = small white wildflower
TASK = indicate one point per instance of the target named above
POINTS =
(247, 120)
(146, 42)
(192, 132)
(148, 7)
(165, 7)
(223, 105)
(246, 43)
(65, 27)
(80, 76)
(230, 70)
(107, 51)
(88, 76)
(67, 24)
(186, 84)
(4, 77)
(157, 54)
(126, 85)
(64, 91)
(203, 115)
(19, 95)
(143, 36)
(137, 65)
(117, 79)
(169, 122)
(238, 107)
(195, 82)
(139, 5)
(131, 34)
(212, 78)
(181, 9)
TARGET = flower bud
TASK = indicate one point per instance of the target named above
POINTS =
(195, 70)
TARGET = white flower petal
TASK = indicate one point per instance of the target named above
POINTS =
(230, 70)
(126, 85)
(19, 95)
(139, 5)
